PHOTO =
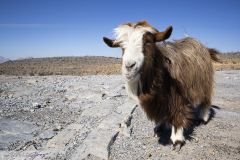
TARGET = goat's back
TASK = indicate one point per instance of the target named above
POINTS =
(190, 64)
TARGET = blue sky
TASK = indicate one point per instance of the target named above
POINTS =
(46, 28)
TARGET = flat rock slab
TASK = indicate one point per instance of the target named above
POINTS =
(16, 127)
(99, 141)
(13, 131)
(103, 123)
(60, 141)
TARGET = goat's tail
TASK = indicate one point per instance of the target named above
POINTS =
(213, 53)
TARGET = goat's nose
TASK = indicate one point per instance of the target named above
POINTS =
(130, 65)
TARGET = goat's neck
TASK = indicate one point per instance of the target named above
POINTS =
(153, 76)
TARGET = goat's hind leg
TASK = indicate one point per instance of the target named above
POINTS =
(204, 114)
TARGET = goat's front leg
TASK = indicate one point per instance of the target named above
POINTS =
(177, 137)
(158, 129)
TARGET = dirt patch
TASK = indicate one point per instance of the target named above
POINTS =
(67, 117)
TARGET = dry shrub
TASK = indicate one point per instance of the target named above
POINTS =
(62, 66)
(88, 65)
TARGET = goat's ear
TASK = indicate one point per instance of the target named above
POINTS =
(110, 42)
(161, 36)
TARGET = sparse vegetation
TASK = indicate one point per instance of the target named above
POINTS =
(229, 61)
(62, 66)
(89, 65)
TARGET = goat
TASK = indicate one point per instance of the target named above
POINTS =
(167, 79)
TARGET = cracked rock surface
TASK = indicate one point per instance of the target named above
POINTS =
(90, 117)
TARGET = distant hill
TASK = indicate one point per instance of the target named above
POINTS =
(229, 60)
(88, 65)
(62, 66)
(3, 59)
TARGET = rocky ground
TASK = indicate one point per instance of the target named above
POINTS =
(90, 117)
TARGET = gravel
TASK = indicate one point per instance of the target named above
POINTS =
(90, 117)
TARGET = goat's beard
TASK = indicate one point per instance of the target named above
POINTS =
(131, 78)
(133, 86)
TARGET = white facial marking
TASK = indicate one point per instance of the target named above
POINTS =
(178, 136)
(131, 40)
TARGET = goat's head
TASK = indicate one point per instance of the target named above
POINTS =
(137, 41)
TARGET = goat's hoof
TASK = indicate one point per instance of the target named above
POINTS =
(155, 135)
(178, 145)
(204, 122)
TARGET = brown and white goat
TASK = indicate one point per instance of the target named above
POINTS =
(167, 79)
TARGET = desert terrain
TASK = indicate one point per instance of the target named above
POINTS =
(86, 114)
(89, 65)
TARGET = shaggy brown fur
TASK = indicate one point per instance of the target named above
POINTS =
(175, 78)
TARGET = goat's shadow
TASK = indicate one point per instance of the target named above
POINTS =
(164, 131)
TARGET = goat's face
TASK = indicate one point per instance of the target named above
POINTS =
(138, 44)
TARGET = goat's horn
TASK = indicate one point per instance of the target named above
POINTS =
(161, 36)
(110, 42)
